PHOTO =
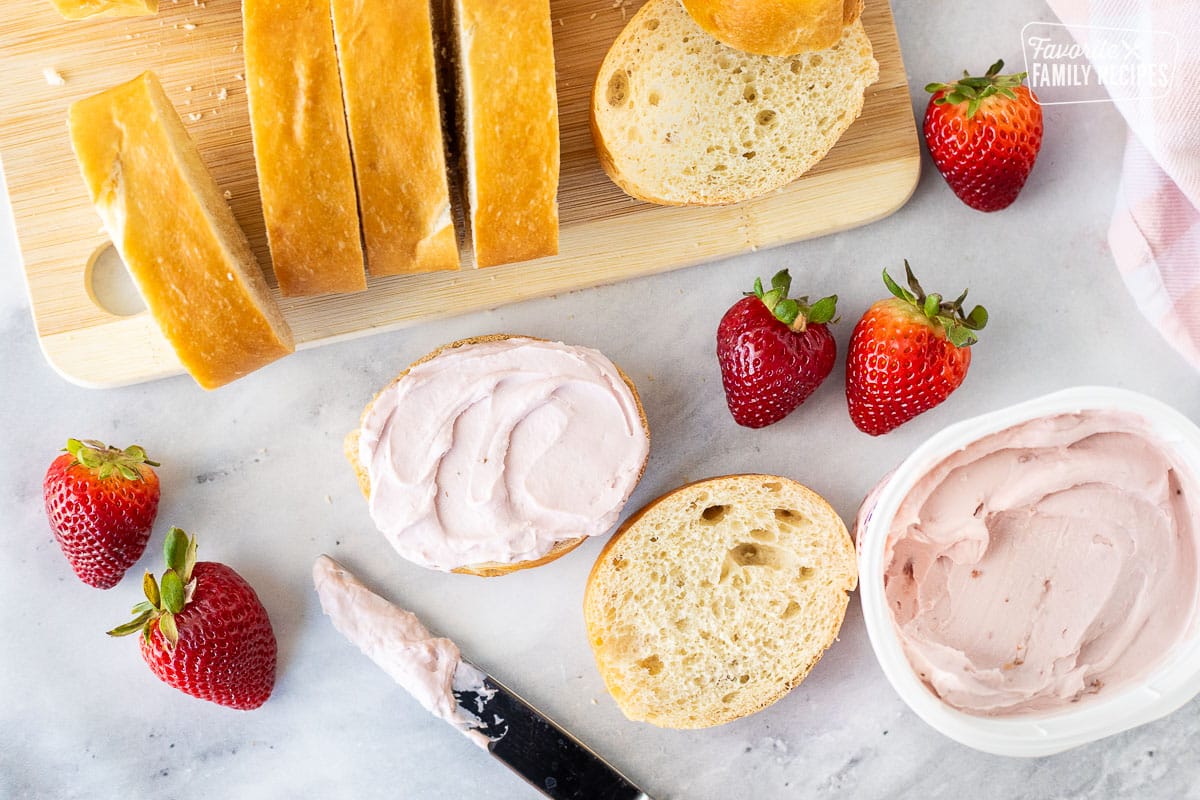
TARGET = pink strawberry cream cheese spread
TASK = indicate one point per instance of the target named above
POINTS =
(496, 451)
(1045, 563)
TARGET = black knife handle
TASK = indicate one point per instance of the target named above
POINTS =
(551, 760)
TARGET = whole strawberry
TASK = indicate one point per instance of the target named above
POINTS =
(774, 351)
(101, 502)
(204, 630)
(984, 135)
(907, 354)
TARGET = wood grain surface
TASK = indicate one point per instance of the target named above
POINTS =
(195, 47)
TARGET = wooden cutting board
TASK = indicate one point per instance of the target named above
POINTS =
(195, 47)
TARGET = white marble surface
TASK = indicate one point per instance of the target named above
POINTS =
(256, 471)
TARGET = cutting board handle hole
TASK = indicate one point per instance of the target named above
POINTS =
(109, 285)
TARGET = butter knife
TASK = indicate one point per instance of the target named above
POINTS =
(489, 713)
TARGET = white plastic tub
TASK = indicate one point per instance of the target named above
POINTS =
(1175, 680)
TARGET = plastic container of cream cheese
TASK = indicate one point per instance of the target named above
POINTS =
(1146, 643)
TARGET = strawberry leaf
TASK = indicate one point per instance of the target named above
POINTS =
(782, 281)
(172, 592)
(758, 290)
(959, 335)
(786, 311)
(823, 310)
(896, 289)
(150, 587)
(978, 318)
(141, 607)
(168, 628)
(932, 305)
(189, 562)
(175, 548)
(133, 626)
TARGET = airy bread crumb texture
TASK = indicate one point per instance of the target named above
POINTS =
(680, 118)
(717, 599)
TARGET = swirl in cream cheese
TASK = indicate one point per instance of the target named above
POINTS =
(496, 451)
(1045, 563)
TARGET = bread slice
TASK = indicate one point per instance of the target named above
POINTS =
(301, 149)
(771, 27)
(489, 569)
(680, 119)
(167, 218)
(389, 83)
(508, 127)
(81, 9)
(718, 598)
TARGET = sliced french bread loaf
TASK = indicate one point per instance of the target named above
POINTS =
(715, 600)
(680, 119)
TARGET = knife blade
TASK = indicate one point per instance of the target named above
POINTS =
(535, 747)
(433, 671)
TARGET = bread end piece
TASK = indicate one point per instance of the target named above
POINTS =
(695, 122)
(177, 236)
(715, 600)
(488, 569)
(505, 61)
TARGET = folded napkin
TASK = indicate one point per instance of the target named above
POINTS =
(1155, 232)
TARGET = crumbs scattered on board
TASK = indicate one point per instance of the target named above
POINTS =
(53, 77)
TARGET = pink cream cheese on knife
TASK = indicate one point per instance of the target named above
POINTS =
(430, 668)
(1045, 563)
(496, 451)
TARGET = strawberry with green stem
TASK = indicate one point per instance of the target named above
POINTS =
(204, 630)
(984, 134)
(907, 354)
(101, 502)
(774, 351)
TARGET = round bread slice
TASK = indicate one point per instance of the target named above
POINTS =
(715, 600)
(680, 119)
(488, 569)
(772, 27)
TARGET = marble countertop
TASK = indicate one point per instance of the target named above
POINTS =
(256, 471)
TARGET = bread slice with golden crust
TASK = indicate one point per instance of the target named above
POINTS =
(488, 569)
(508, 126)
(680, 119)
(301, 149)
(718, 598)
(167, 218)
(771, 27)
(385, 53)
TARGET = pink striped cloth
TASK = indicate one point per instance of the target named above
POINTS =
(1155, 232)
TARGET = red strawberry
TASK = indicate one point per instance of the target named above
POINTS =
(907, 354)
(101, 502)
(205, 631)
(984, 135)
(774, 352)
